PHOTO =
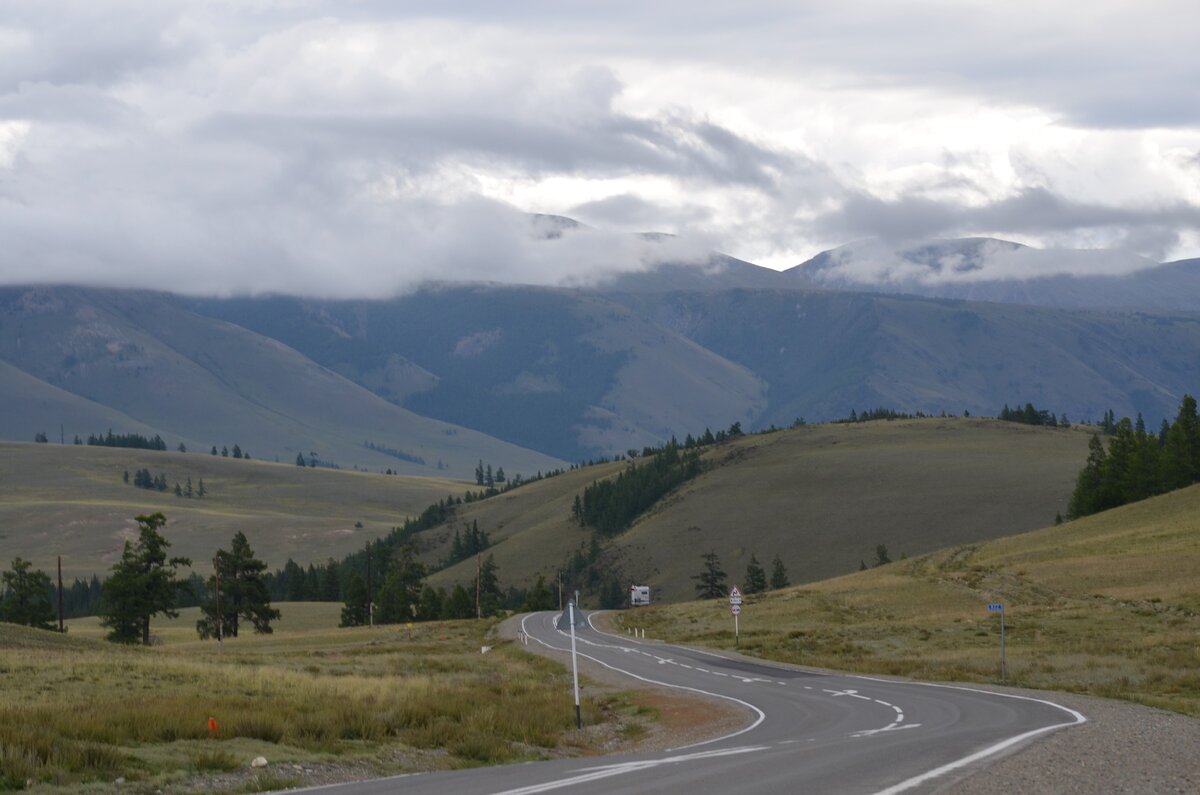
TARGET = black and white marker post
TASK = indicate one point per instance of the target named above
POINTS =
(575, 667)
(997, 607)
(735, 607)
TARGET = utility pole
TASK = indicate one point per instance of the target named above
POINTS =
(60, 596)
(560, 604)
(478, 578)
(370, 599)
(220, 628)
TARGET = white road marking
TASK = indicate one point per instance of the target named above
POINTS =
(761, 715)
(607, 771)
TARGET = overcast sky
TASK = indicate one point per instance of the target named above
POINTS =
(355, 148)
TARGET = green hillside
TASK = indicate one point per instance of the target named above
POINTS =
(820, 497)
(71, 501)
(1107, 605)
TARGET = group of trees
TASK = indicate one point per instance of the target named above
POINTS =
(405, 596)
(394, 453)
(145, 583)
(237, 452)
(143, 479)
(1032, 416)
(25, 596)
(131, 440)
(470, 542)
(610, 506)
(484, 476)
(711, 581)
(1139, 464)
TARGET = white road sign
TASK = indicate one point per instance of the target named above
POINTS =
(735, 596)
(735, 609)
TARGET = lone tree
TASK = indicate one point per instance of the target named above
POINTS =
(144, 583)
(756, 578)
(779, 576)
(244, 593)
(710, 582)
(881, 555)
(26, 596)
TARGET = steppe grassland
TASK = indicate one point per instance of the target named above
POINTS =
(72, 501)
(76, 710)
(1108, 605)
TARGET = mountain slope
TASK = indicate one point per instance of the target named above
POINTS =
(147, 356)
(825, 353)
(563, 371)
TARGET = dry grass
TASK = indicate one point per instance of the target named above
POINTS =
(71, 501)
(1108, 605)
(76, 711)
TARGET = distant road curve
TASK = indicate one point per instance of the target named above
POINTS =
(806, 731)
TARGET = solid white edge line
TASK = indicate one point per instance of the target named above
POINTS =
(761, 715)
(1079, 718)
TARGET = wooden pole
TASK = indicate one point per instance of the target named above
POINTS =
(478, 577)
(60, 596)
(220, 628)
(370, 599)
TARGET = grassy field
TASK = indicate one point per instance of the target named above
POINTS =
(820, 497)
(1108, 605)
(71, 501)
(77, 713)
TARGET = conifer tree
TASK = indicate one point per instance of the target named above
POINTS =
(244, 594)
(779, 575)
(356, 612)
(144, 583)
(710, 582)
(756, 577)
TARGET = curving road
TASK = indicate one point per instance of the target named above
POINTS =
(806, 731)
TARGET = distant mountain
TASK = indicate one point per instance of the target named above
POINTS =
(530, 377)
(999, 271)
(94, 360)
(567, 372)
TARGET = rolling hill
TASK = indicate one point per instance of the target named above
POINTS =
(821, 497)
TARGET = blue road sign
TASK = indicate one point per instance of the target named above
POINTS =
(995, 608)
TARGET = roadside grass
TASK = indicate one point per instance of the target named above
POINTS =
(74, 711)
(1108, 605)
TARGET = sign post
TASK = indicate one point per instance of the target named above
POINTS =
(735, 607)
(997, 607)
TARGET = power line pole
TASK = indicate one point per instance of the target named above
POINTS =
(220, 627)
(370, 599)
(60, 595)
(478, 579)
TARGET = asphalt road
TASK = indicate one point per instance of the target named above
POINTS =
(805, 731)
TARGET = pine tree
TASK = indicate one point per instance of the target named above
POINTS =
(779, 575)
(710, 582)
(331, 586)
(243, 593)
(300, 460)
(756, 578)
(881, 555)
(459, 604)
(491, 597)
(144, 583)
(200, 490)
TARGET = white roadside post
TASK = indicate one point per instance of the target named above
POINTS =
(735, 607)
(997, 607)
(575, 667)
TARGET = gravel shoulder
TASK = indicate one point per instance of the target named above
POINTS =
(1123, 747)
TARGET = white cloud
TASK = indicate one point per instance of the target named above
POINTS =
(357, 148)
